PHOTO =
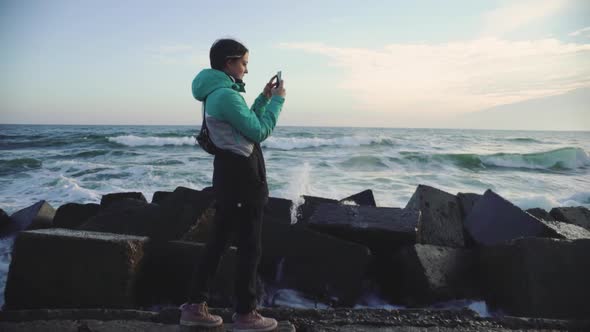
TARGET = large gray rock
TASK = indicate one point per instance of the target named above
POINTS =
(279, 210)
(72, 215)
(441, 222)
(36, 216)
(169, 220)
(364, 198)
(169, 267)
(538, 277)
(381, 229)
(317, 264)
(305, 210)
(62, 268)
(466, 202)
(4, 219)
(183, 208)
(107, 199)
(494, 220)
(427, 274)
(572, 215)
(131, 217)
(160, 196)
(567, 231)
(540, 214)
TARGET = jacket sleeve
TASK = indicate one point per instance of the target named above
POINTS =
(260, 105)
(256, 126)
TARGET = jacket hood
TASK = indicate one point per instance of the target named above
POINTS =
(209, 80)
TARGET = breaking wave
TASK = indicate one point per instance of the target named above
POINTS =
(291, 143)
(132, 140)
(564, 158)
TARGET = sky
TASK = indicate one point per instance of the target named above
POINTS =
(491, 64)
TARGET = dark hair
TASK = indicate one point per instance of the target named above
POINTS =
(223, 50)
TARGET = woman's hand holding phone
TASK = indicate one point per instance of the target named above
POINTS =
(278, 88)
(274, 87)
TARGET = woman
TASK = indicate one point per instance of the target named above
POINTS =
(239, 181)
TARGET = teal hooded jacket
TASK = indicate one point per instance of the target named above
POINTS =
(233, 126)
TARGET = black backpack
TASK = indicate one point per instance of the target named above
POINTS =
(203, 137)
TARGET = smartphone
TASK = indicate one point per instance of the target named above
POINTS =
(279, 74)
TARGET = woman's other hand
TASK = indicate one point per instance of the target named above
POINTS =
(267, 89)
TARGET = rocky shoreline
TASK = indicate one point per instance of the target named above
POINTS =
(126, 253)
(299, 319)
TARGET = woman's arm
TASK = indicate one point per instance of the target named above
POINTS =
(256, 126)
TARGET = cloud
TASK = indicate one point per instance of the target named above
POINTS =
(505, 19)
(584, 31)
(456, 77)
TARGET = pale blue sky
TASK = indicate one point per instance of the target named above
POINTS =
(345, 63)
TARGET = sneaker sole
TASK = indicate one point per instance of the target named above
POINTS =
(189, 323)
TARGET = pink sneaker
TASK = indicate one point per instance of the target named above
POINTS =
(253, 322)
(197, 314)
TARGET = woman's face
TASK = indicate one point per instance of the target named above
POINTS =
(237, 68)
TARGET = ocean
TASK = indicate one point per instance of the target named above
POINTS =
(64, 164)
(76, 163)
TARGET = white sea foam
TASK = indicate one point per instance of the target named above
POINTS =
(294, 299)
(5, 257)
(132, 140)
(291, 143)
(298, 186)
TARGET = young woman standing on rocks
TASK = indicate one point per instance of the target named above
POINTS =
(239, 182)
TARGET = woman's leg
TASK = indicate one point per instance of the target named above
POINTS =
(223, 224)
(249, 227)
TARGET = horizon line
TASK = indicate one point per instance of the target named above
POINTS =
(311, 126)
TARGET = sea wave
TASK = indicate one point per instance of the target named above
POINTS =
(12, 166)
(524, 140)
(132, 140)
(564, 158)
(559, 159)
(292, 143)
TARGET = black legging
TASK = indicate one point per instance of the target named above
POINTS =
(246, 220)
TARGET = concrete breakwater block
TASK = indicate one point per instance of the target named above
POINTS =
(314, 263)
(38, 215)
(567, 231)
(427, 274)
(441, 222)
(168, 269)
(107, 199)
(364, 198)
(494, 220)
(62, 268)
(572, 215)
(72, 215)
(381, 229)
(538, 277)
